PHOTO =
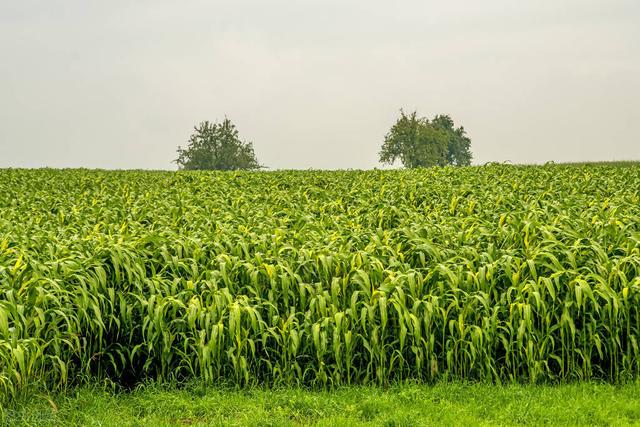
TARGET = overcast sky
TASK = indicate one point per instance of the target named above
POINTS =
(315, 84)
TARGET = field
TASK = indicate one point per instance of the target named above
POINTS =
(449, 404)
(496, 274)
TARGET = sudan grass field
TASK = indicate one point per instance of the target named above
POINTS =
(494, 274)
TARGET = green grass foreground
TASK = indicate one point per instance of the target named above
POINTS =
(407, 405)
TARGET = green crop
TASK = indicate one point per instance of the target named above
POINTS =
(495, 273)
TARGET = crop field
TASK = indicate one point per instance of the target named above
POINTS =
(497, 273)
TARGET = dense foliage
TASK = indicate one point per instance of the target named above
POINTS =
(217, 146)
(419, 142)
(321, 278)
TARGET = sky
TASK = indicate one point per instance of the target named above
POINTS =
(316, 84)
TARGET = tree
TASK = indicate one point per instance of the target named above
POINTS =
(459, 149)
(217, 146)
(420, 142)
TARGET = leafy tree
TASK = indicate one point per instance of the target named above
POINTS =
(459, 149)
(217, 146)
(420, 142)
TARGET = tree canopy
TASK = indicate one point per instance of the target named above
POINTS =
(217, 146)
(420, 142)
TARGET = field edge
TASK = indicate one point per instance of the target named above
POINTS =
(439, 404)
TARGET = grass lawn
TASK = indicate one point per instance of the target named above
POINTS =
(407, 405)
